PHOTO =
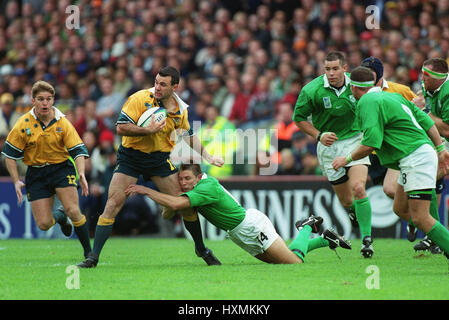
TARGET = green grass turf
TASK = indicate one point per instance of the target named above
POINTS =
(148, 268)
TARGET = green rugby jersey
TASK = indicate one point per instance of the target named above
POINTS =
(392, 125)
(216, 204)
(331, 111)
(438, 101)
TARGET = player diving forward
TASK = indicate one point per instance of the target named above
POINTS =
(250, 229)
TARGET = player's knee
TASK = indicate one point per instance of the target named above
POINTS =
(44, 225)
(389, 191)
(189, 216)
(358, 190)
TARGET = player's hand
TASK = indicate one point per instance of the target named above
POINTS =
(339, 162)
(420, 102)
(154, 127)
(216, 161)
(84, 185)
(443, 162)
(18, 186)
(134, 189)
(167, 213)
(328, 138)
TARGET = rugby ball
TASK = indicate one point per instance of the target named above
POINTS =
(159, 115)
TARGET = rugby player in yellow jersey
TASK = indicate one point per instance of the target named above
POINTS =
(47, 142)
(146, 151)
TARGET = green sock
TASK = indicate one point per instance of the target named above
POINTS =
(318, 242)
(363, 214)
(82, 232)
(300, 245)
(434, 206)
(440, 235)
(59, 214)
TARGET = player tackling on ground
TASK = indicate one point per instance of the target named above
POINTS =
(250, 229)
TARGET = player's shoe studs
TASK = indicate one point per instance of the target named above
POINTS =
(411, 232)
(367, 250)
(336, 240)
(208, 257)
(90, 262)
(313, 221)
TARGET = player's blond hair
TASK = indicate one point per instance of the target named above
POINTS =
(40, 86)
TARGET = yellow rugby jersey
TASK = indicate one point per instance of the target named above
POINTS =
(165, 139)
(403, 90)
(38, 145)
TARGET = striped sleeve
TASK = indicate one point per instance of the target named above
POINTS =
(10, 151)
(78, 150)
(124, 118)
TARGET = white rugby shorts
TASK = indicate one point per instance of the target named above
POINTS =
(418, 170)
(255, 234)
(339, 148)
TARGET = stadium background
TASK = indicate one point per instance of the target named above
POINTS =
(242, 63)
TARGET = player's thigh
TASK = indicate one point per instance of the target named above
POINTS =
(69, 200)
(344, 193)
(279, 253)
(42, 212)
(400, 204)
(168, 185)
(391, 182)
(116, 194)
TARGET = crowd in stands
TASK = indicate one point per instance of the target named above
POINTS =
(243, 63)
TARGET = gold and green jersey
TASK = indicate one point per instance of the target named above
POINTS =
(40, 145)
(163, 140)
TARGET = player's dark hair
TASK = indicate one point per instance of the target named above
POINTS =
(194, 167)
(336, 55)
(170, 72)
(438, 64)
(362, 74)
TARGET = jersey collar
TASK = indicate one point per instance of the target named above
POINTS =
(337, 92)
(58, 113)
(375, 89)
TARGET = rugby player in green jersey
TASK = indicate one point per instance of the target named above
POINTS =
(248, 228)
(329, 101)
(403, 137)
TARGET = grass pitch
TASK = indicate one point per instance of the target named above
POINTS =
(168, 269)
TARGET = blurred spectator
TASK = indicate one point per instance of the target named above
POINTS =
(110, 103)
(288, 164)
(262, 105)
(8, 115)
(238, 114)
(90, 121)
(285, 127)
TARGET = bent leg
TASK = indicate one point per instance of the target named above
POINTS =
(357, 180)
(42, 213)
(69, 200)
(390, 182)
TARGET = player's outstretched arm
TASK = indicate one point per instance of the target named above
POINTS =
(359, 153)
(195, 143)
(80, 165)
(172, 202)
(442, 127)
